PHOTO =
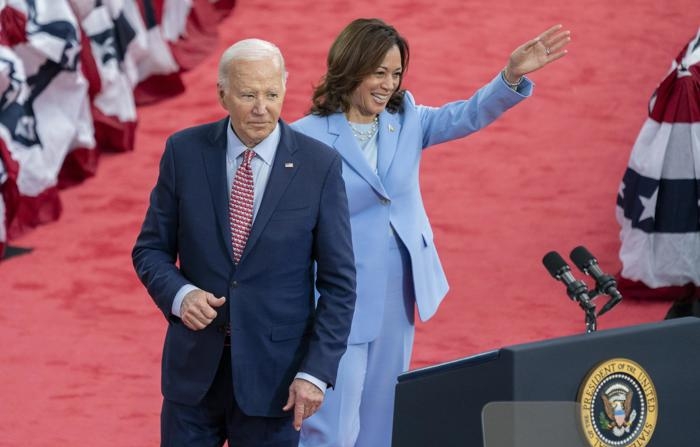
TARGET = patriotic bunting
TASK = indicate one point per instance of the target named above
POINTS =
(657, 204)
(71, 74)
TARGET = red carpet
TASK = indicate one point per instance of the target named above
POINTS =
(81, 340)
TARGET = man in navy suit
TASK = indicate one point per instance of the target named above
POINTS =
(248, 353)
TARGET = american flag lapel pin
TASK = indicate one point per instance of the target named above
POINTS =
(288, 164)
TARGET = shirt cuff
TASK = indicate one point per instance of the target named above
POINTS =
(523, 87)
(179, 296)
(320, 384)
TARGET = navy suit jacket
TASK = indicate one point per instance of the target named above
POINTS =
(276, 330)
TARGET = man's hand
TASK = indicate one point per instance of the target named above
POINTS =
(197, 310)
(305, 398)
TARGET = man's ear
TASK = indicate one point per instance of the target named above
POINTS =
(220, 94)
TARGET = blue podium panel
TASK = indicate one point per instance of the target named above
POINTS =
(640, 382)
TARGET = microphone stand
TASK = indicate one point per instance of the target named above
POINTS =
(578, 291)
(604, 283)
(589, 309)
(591, 318)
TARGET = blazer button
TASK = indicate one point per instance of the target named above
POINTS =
(234, 284)
(384, 201)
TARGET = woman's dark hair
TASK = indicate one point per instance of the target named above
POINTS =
(357, 52)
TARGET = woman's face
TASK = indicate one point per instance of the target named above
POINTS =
(372, 95)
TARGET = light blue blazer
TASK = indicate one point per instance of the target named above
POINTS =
(392, 197)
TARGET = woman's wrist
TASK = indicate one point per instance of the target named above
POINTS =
(507, 78)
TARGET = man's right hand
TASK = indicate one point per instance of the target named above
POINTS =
(198, 309)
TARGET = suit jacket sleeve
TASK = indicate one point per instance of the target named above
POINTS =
(155, 252)
(335, 280)
(460, 118)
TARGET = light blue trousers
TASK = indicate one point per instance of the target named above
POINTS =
(359, 411)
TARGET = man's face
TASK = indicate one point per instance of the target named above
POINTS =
(253, 96)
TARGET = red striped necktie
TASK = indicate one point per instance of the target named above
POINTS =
(241, 205)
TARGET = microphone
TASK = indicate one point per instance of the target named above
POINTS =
(605, 284)
(560, 270)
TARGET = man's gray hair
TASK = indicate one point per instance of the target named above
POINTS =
(249, 49)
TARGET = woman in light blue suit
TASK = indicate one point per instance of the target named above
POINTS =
(360, 110)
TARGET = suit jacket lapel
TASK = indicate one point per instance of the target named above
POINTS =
(387, 142)
(215, 167)
(347, 147)
(284, 168)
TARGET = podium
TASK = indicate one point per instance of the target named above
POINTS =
(442, 405)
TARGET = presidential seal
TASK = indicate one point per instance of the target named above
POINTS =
(618, 405)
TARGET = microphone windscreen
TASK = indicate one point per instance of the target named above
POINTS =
(554, 263)
(581, 257)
